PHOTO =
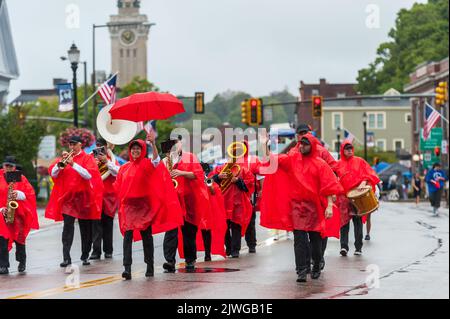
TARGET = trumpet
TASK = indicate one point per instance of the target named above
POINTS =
(210, 184)
(63, 163)
(231, 168)
(170, 168)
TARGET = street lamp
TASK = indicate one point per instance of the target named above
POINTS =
(338, 145)
(365, 135)
(74, 58)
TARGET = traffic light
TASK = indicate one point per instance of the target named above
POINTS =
(317, 104)
(255, 107)
(244, 112)
(437, 151)
(441, 94)
(199, 102)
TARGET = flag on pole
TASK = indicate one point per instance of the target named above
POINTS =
(431, 118)
(151, 127)
(107, 90)
(348, 136)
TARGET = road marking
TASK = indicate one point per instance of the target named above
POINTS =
(113, 279)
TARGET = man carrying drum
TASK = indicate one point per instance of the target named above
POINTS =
(354, 173)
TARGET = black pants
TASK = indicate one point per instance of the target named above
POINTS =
(147, 243)
(324, 247)
(170, 245)
(189, 242)
(301, 247)
(21, 255)
(233, 238)
(358, 228)
(206, 235)
(435, 198)
(102, 230)
(68, 233)
(250, 233)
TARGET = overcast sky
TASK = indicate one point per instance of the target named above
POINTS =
(257, 46)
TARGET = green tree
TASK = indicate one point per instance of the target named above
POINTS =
(138, 85)
(21, 138)
(420, 35)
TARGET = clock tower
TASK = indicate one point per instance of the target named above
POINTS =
(129, 36)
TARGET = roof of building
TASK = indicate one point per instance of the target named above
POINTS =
(29, 96)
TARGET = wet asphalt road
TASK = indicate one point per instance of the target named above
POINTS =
(408, 257)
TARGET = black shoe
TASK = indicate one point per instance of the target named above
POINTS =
(228, 253)
(190, 265)
(85, 262)
(127, 273)
(208, 258)
(302, 276)
(367, 237)
(94, 257)
(252, 250)
(169, 267)
(235, 256)
(65, 263)
(108, 256)
(322, 264)
(150, 271)
(315, 274)
(4, 271)
(343, 252)
(358, 252)
(21, 267)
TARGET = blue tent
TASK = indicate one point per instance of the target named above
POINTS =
(381, 166)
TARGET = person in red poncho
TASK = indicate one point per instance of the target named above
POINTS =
(148, 202)
(353, 172)
(25, 217)
(77, 194)
(194, 199)
(102, 230)
(298, 198)
(237, 204)
(324, 154)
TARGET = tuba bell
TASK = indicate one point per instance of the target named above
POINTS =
(235, 151)
(117, 132)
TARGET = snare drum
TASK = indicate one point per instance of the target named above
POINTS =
(364, 200)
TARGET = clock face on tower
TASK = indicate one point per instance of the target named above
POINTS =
(127, 37)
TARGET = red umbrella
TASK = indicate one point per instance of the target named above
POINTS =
(146, 106)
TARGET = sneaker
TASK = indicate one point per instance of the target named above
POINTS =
(190, 265)
(108, 256)
(21, 267)
(252, 250)
(94, 257)
(65, 263)
(169, 267)
(4, 271)
(358, 253)
(367, 237)
(343, 252)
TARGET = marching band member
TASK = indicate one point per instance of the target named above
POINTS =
(25, 216)
(353, 172)
(193, 195)
(148, 202)
(102, 230)
(298, 198)
(77, 194)
(237, 204)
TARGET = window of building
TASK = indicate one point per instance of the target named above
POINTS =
(341, 95)
(134, 53)
(121, 53)
(376, 120)
(381, 144)
(398, 144)
(408, 118)
(337, 120)
(128, 53)
(315, 92)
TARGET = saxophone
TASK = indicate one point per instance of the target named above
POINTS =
(11, 205)
(170, 168)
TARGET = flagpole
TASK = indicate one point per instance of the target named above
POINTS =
(96, 91)
(426, 103)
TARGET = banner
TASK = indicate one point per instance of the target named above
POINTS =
(370, 139)
(65, 97)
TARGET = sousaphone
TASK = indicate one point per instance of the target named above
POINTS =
(117, 132)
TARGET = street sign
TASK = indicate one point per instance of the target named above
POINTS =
(434, 140)
(47, 147)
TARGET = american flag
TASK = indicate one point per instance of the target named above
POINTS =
(108, 90)
(150, 126)
(431, 118)
(348, 136)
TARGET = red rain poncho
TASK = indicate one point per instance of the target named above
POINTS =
(295, 197)
(110, 200)
(147, 196)
(73, 195)
(322, 152)
(25, 217)
(351, 172)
